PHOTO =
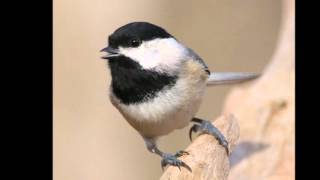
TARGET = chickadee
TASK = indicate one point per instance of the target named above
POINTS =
(158, 84)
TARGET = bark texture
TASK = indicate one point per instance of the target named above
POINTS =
(265, 111)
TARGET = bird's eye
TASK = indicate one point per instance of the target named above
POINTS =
(135, 43)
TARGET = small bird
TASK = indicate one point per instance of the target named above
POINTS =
(158, 84)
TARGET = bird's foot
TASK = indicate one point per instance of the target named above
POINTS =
(206, 127)
(170, 159)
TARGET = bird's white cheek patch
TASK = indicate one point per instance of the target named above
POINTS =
(160, 54)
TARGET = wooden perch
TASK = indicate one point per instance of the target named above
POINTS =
(265, 111)
(207, 159)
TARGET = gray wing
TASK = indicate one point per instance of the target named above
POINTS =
(220, 78)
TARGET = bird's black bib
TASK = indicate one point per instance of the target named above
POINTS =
(132, 84)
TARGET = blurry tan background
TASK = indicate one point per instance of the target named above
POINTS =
(91, 139)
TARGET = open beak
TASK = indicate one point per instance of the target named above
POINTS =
(111, 52)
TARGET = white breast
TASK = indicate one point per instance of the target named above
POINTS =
(172, 108)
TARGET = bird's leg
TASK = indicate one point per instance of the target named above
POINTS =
(206, 127)
(167, 159)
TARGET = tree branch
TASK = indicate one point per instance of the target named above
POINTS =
(265, 110)
(207, 159)
(269, 124)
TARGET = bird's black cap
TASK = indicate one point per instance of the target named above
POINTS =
(132, 34)
(131, 83)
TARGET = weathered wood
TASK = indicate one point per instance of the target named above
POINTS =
(207, 159)
(265, 111)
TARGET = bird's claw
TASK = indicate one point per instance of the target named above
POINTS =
(225, 144)
(181, 153)
(194, 128)
(206, 127)
(169, 159)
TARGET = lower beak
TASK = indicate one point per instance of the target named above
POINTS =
(111, 52)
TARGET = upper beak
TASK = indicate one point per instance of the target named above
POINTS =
(111, 52)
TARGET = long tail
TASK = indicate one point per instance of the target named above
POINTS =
(220, 78)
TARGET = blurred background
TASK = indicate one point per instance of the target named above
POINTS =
(91, 139)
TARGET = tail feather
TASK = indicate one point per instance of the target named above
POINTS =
(220, 78)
